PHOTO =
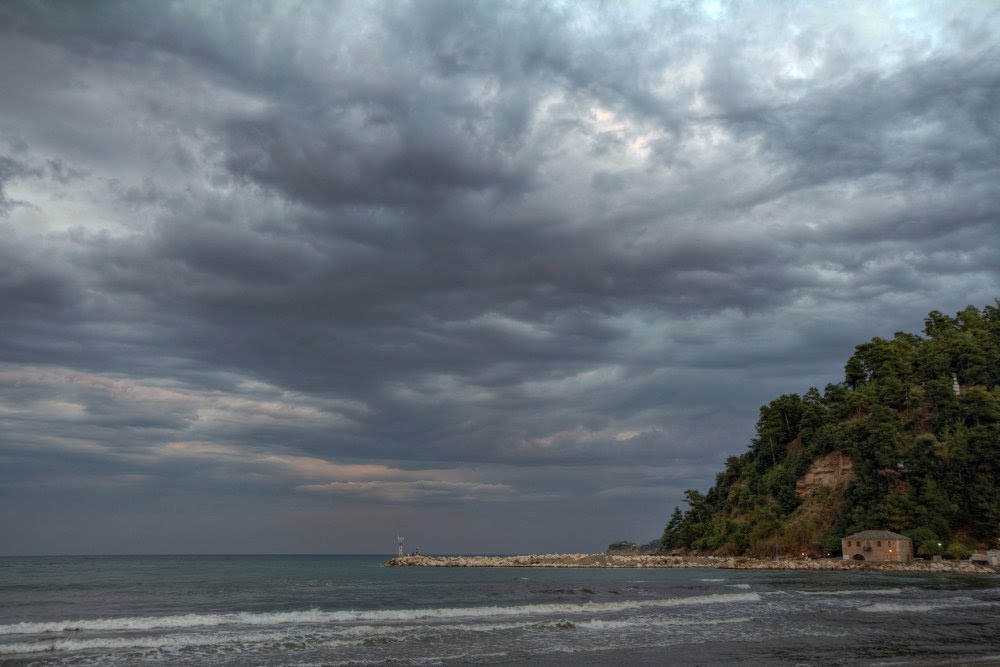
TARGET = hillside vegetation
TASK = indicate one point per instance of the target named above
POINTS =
(921, 459)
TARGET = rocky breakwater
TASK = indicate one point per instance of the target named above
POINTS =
(534, 560)
(646, 561)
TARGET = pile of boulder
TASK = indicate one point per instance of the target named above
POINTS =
(621, 559)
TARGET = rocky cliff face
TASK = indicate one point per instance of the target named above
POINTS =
(830, 470)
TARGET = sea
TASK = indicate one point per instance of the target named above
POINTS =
(350, 610)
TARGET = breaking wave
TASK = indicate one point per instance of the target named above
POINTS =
(316, 616)
(870, 591)
(921, 607)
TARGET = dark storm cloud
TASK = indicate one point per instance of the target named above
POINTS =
(317, 255)
(10, 170)
(29, 286)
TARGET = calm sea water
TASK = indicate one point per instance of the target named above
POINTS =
(346, 610)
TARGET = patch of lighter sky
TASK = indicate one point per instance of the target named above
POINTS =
(309, 467)
(207, 408)
(883, 36)
(815, 213)
(129, 478)
(637, 140)
(296, 469)
(64, 444)
(510, 326)
(573, 139)
(655, 493)
(263, 413)
(57, 444)
(187, 449)
(875, 203)
(581, 436)
(928, 21)
(831, 276)
(256, 389)
(51, 409)
(679, 82)
(893, 27)
(566, 142)
(711, 154)
(706, 138)
(888, 33)
(290, 409)
(415, 491)
(648, 334)
(120, 129)
(50, 210)
(440, 389)
(583, 381)
(713, 9)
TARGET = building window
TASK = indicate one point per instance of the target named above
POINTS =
(880, 543)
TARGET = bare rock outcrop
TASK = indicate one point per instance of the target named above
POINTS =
(831, 470)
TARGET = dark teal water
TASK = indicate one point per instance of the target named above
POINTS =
(340, 610)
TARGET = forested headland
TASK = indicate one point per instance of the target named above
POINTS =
(909, 441)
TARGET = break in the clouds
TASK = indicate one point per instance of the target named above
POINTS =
(502, 276)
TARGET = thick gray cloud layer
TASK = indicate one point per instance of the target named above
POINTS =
(503, 276)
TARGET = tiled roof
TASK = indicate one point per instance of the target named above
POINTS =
(876, 535)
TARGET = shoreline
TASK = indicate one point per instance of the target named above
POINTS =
(604, 560)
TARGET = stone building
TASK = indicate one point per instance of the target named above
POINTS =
(877, 545)
(991, 557)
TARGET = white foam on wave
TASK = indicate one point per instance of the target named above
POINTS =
(744, 587)
(328, 637)
(602, 624)
(210, 643)
(461, 658)
(884, 607)
(370, 631)
(922, 607)
(316, 616)
(167, 642)
(167, 622)
(365, 631)
(870, 591)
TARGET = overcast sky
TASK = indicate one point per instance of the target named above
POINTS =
(498, 276)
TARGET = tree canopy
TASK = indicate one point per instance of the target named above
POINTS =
(925, 457)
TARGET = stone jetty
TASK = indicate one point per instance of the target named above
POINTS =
(605, 560)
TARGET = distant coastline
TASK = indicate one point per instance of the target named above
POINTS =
(604, 560)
